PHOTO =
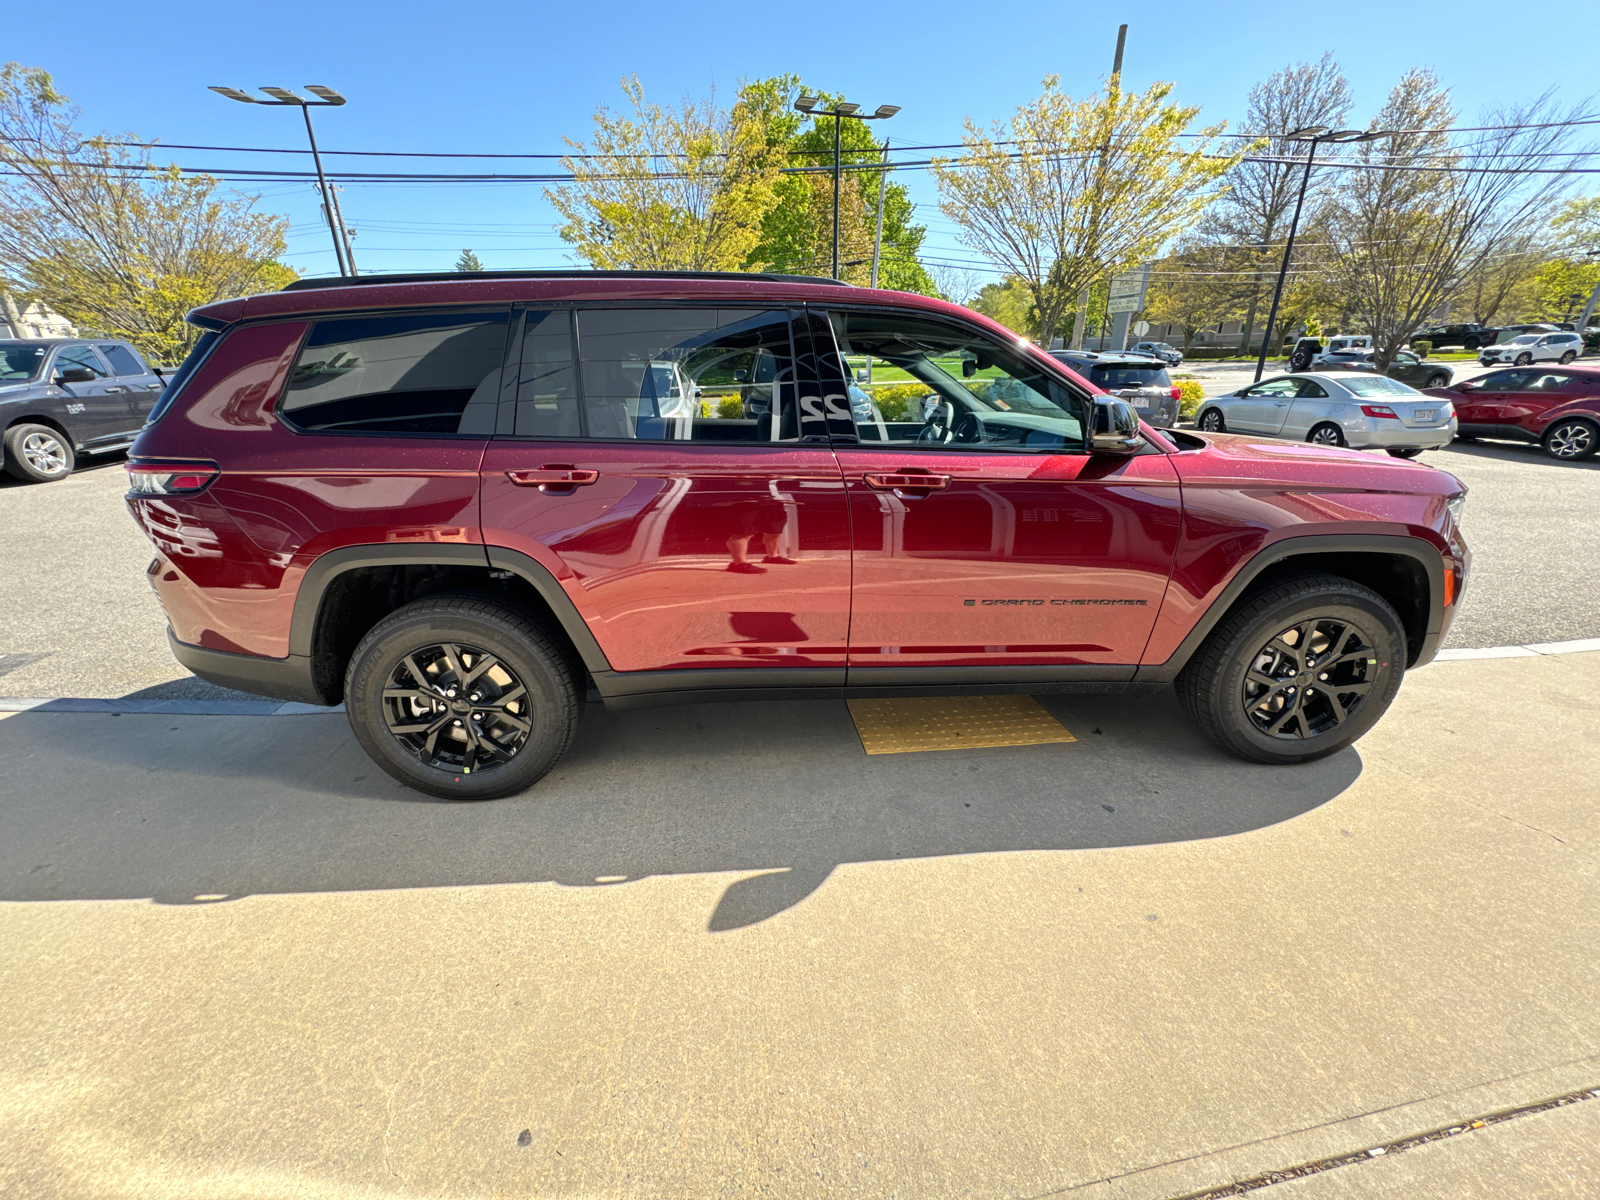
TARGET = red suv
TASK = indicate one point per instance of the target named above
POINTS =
(456, 504)
(1556, 406)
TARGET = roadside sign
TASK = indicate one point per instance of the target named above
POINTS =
(1127, 290)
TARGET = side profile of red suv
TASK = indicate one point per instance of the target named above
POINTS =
(456, 504)
(1556, 405)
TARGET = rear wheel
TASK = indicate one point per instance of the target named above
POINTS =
(1568, 357)
(1571, 439)
(1211, 421)
(1470, 344)
(1326, 434)
(461, 697)
(1408, 452)
(1297, 671)
(1438, 381)
(38, 454)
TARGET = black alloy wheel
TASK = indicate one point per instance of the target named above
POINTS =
(462, 696)
(1297, 670)
(1571, 439)
(1405, 452)
(38, 454)
(1211, 421)
(1326, 434)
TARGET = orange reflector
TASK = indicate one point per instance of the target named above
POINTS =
(1449, 587)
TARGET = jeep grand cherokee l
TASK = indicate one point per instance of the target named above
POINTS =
(457, 504)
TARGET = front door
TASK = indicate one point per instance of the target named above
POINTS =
(95, 409)
(1493, 398)
(656, 461)
(984, 536)
(1262, 408)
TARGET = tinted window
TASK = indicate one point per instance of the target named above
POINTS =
(547, 387)
(1505, 381)
(1125, 375)
(676, 374)
(938, 386)
(1311, 390)
(123, 361)
(79, 356)
(175, 383)
(20, 362)
(436, 373)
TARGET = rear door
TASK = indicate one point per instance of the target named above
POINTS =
(1546, 390)
(656, 461)
(985, 538)
(140, 385)
(95, 411)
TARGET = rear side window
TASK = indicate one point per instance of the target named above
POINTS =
(123, 360)
(402, 373)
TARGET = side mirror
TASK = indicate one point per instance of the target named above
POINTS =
(76, 375)
(1467, 385)
(969, 368)
(863, 374)
(741, 376)
(1114, 428)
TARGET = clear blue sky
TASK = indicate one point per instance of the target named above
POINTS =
(515, 77)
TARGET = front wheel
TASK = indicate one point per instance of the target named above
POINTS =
(1211, 421)
(462, 697)
(1571, 439)
(1470, 344)
(38, 454)
(1297, 671)
(1407, 452)
(1326, 434)
(1524, 359)
(1438, 381)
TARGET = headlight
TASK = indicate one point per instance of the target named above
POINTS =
(1455, 504)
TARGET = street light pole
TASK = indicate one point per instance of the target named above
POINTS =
(1312, 134)
(284, 98)
(808, 105)
(877, 238)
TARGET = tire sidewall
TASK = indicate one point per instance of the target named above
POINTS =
(1246, 642)
(552, 706)
(20, 468)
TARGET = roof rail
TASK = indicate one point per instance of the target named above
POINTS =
(300, 285)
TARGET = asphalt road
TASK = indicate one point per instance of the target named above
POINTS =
(77, 617)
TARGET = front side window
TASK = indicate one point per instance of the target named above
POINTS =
(1275, 387)
(919, 383)
(20, 363)
(1379, 385)
(123, 360)
(401, 373)
(80, 356)
(1505, 381)
(687, 374)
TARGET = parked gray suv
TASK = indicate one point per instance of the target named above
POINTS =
(62, 397)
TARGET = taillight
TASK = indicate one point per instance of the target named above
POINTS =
(1177, 392)
(1380, 410)
(169, 479)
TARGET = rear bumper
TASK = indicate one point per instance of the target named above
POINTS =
(1382, 434)
(280, 678)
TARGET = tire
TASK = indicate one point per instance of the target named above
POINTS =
(1236, 686)
(1438, 381)
(38, 454)
(1211, 421)
(1568, 357)
(1326, 434)
(413, 736)
(1408, 452)
(1571, 439)
(1523, 360)
(1470, 344)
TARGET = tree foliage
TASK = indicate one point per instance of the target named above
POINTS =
(1071, 191)
(680, 188)
(468, 262)
(112, 241)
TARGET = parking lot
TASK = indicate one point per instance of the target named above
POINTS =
(720, 950)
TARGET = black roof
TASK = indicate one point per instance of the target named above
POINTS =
(300, 285)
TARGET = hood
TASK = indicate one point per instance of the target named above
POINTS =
(1254, 462)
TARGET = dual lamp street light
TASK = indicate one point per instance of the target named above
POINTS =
(808, 105)
(1313, 135)
(328, 98)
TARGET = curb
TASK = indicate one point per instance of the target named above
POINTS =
(277, 708)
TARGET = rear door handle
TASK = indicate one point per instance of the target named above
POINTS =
(906, 481)
(553, 479)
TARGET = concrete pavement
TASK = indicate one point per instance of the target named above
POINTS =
(722, 952)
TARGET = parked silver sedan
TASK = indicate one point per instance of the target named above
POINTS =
(1363, 412)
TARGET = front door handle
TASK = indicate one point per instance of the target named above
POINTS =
(908, 481)
(553, 479)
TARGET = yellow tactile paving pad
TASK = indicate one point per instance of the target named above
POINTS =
(954, 723)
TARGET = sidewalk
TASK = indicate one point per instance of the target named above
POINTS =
(721, 951)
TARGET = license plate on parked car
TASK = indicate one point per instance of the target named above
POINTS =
(1424, 414)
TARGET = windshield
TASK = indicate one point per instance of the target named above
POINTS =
(19, 363)
(1128, 375)
(1380, 385)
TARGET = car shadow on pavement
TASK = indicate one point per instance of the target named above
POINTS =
(1517, 452)
(204, 808)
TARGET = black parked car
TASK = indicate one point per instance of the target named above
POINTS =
(62, 397)
(1407, 367)
(1468, 336)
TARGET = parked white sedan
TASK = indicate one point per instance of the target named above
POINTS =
(1363, 412)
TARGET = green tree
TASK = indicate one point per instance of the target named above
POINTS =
(112, 241)
(1073, 191)
(1009, 302)
(680, 188)
(1194, 289)
(468, 262)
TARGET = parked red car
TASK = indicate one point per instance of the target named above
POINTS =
(456, 504)
(1556, 406)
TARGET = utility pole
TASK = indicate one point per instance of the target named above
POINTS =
(877, 240)
(1082, 317)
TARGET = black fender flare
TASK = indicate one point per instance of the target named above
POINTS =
(1425, 554)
